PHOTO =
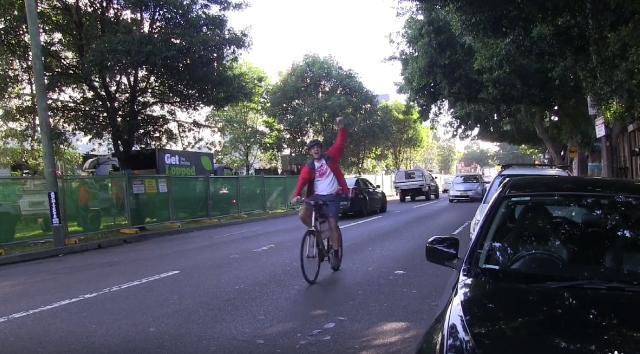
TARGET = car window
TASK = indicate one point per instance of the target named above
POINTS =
(493, 188)
(413, 174)
(497, 182)
(568, 237)
(366, 183)
(351, 182)
(467, 179)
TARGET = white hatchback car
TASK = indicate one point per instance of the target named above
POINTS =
(509, 171)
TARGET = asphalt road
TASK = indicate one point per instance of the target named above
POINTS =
(238, 289)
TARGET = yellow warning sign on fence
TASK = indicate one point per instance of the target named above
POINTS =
(150, 185)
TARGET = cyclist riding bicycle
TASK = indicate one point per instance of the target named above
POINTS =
(325, 182)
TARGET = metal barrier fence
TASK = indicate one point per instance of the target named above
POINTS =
(384, 181)
(93, 204)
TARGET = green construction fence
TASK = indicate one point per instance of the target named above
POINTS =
(95, 204)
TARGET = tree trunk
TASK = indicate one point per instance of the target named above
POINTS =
(247, 163)
(546, 139)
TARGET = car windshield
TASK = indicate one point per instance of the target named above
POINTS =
(412, 174)
(579, 237)
(467, 179)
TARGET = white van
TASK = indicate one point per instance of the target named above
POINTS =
(415, 183)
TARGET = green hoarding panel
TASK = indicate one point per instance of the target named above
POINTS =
(251, 194)
(223, 195)
(189, 197)
(94, 203)
(24, 209)
(149, 199)
(276, 192)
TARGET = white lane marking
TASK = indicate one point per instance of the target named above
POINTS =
(461, 227)
(238, 232)
(421, 205)
(87, 296)
(264, 248)
(360, 222)
(397, 211)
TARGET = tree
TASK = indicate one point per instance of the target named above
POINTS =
(21, 158)
(447, 157)
(507, 153)
(240, 126)
(476, 154)
(308, 98)
(503, 70)
(406, 136)
(19, 130)
(124, 69)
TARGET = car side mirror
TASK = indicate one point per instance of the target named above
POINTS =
(443, 250)
(378, 186)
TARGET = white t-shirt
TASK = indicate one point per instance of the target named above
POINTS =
(325, 182)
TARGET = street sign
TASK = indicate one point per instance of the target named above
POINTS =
(600, 127)
(593, 108)
(137, 186)
(54, 208)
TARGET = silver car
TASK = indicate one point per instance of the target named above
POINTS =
(467, 187)
(512, 171)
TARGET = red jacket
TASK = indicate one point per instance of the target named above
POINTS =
(332, 157)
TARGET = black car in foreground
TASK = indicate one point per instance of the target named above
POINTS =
(364, 198)
(554, 268)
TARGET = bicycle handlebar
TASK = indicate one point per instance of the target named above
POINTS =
(315, 202)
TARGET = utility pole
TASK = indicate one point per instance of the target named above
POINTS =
(45, 126)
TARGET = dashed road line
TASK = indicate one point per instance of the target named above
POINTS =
(421, 205)
(461, 227)
(87, 296)
(238, 232)
(360, 222)
(264, 248)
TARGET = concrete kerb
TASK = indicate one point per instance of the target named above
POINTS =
(145, 235)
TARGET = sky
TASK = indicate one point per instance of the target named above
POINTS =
(354, 32)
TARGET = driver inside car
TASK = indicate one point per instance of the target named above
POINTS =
(534, 231)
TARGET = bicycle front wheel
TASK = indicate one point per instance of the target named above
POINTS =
(310, 257)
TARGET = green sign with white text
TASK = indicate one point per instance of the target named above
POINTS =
(184, 163)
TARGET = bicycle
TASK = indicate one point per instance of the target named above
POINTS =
(315, 248)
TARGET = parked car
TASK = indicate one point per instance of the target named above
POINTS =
(364, 198)
(446, 184)
(554, 268)
(467, 187)
(415, 183)
(511, 171)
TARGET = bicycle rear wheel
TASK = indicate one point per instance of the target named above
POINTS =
(310, 257)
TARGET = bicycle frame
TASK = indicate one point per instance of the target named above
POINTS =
(315, 218)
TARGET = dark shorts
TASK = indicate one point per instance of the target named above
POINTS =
(332, 209)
